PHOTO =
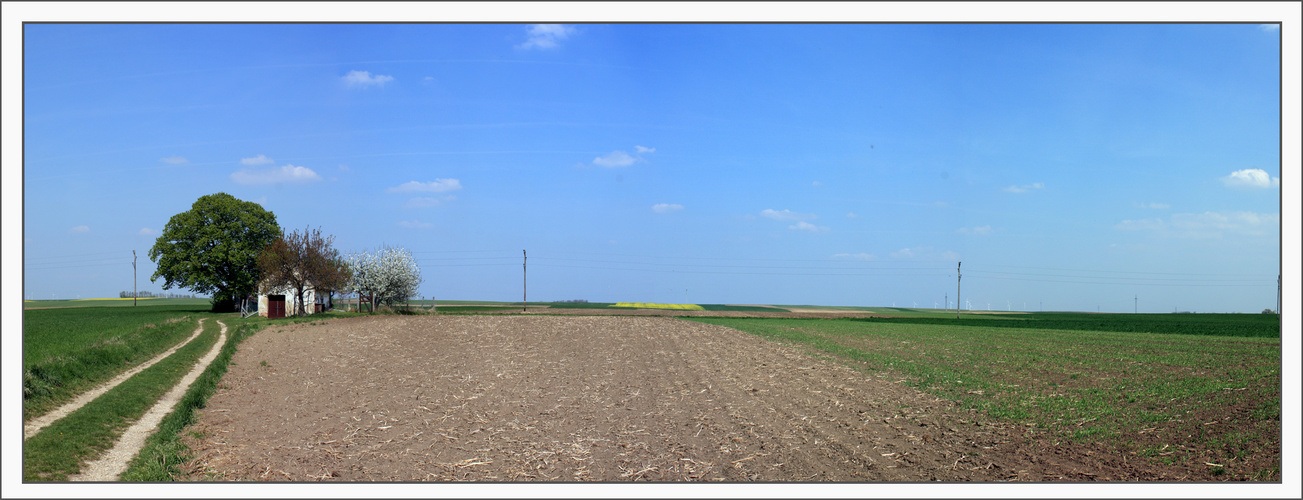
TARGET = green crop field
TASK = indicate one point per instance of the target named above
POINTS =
(1091, 379)
(117, 302)
(69, 350)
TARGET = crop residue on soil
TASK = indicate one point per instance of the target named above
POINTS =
(588, 398)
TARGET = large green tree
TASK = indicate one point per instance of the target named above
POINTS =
(213, 248)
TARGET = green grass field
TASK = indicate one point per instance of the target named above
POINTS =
(1148, 394)
(69, 350)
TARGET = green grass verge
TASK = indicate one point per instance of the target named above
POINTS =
(68, 351)
(58, 450)
(1123, 388)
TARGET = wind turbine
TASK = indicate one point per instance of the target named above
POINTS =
(1008, 305)
(916, 303)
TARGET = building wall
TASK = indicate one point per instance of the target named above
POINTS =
(291, 302)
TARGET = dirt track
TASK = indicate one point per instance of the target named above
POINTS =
(588, 398)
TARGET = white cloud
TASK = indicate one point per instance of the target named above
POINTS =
(79, 229)
(641, 150)
(1250, 178)
(1023, 188)
(174, 160)
(288, 174)
(415, 224)
(976, 231)
(662, 208)
(816, 183)
(853, 256)
(806, 226)
(615, 159)
(343, 168)
(546, 36)
(435, 186)
(941, 204)
(1142, 224)
(427, 80)
(144, 231)
(427, 202)
(1154, 206)
(1270, 28)
(852, 215)
(786, 215)
(257, 160)
(363, 79)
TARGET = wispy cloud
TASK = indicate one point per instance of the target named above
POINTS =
(854, 256)
(174, 160)
(924, 253)
(363, 79)
(415, 224)
(435, 186)
(1154, 206)
(852, 215)
(643, 150)
(806, 226)
(79, 229)
(288, 174)
(1023, 188)
(144, 231)
(546, 36)
(614, 159)
(663, 208)
(1205, 225)
(1269, 27)
(786, 215)
(975, 231)
(1251, 178)
(257, 160)
(427, 202)
(816, 183)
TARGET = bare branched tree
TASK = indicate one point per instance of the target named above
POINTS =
(300, 262)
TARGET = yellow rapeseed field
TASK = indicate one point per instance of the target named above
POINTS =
(645, 305)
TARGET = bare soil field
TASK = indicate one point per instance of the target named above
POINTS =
(590, 398)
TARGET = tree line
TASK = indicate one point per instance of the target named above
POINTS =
(232, 248)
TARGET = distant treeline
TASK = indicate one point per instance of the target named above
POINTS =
(575, 301)
(127, 295)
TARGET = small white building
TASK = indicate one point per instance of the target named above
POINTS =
(285, 303)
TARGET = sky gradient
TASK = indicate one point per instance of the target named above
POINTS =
(1110, 167)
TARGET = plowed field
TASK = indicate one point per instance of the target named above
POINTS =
(590, 398)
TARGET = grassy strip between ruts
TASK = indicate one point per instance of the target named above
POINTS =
(164, 450)
(59, 450)
(1180, 400)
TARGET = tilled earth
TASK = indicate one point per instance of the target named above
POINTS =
(591, 398)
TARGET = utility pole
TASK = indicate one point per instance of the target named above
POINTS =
(1137, 305)
(524, 281)
(133, 279)
(959, 278)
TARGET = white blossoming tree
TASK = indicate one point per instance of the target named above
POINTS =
(390, 275)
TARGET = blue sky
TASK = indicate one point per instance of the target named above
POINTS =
(1070, 167)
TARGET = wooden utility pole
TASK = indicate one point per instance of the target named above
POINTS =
(524, 281)
(958, 281)
(133, 278)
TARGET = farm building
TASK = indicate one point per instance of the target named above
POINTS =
(284, 303)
